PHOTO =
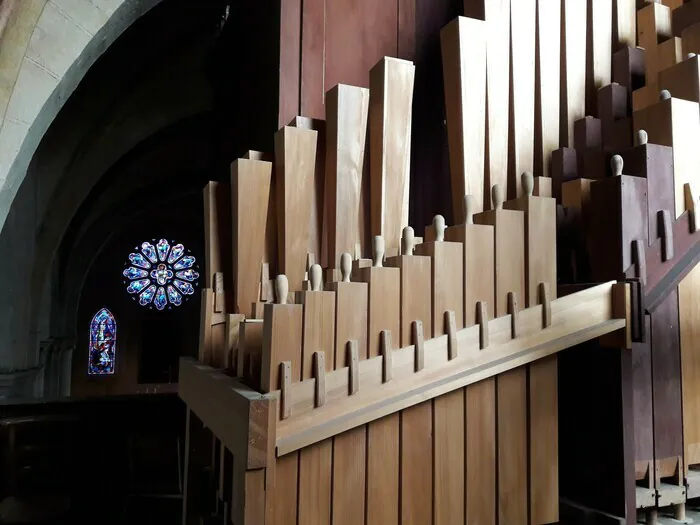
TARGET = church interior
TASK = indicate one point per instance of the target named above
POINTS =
(349, 262)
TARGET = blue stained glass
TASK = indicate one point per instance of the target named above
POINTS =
(163, 249)
(103, 344)
(177, 252)
(184, 263)
(174, 296)
(160, 300)
(139, 260)
(188, 275)
(149, 251)
(147, 295)
(185, 288)
(137, 286)
(135, 273)
(162, 274)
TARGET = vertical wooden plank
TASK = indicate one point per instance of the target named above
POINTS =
(417, 421)
(496, 14)
(250, 198)
(349, 448)
(511, 387)
(346, 129)
(682, 80)
(689, 312)
(295, 155)
(313, 44)
(599, 57)
(448, 410)
(653, 26)
(547, 89)
(384, 299)
(523, 22)
(540, 267)
(480, 398)
(390, 120)
(624, 24)
(573, 94)
(315, 462)
(290, 48)
(464, 71)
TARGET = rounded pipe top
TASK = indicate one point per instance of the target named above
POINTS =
(641, 138)
(528, 182)
(316, 277)
(408, 241)
(665, 94)
(378, 249)
(345, 266)
(469, 207)
(497, 197)
(617, 164)
(439, 224)
(281, 288)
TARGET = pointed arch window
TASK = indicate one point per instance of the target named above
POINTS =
(103, 343)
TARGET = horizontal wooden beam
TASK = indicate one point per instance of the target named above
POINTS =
(240, 417)
(576, 318)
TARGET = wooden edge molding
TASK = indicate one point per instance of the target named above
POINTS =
(243, 419)
(576, 318)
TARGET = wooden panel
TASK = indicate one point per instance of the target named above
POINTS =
(390, 119)
(496, 14)
(653, 26)
(523, 23)
(689, 311)
(289, 49)
(643, 404)
(686, 16)
(511, 392)
(315, 462)
(547, 91)
(666, 381)
(480, 398)
(350, 448)
(691, 34)
(250, 197)
(313, 44)
(599, 57)
(346, 130)
(682, 80)
(464, 71)
(574, 73)
(674, 123)
(625, 27)
(295, 156)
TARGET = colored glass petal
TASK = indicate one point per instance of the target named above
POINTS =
(103, 341)
(163, 249)
(177, 252)
(135, 273)
(174, 296)
(147, 295)
(184, 263)
(185, 288)
(137, 286)
(149, 251)
(139, 260)
(160, 300)
(188, 275)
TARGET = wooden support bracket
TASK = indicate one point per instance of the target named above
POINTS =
(386, 354)
(451, 330)
(482, 317)
(219, 297)
(353, 360)
(418, 341)
(666, 229)
(640, 260)
(286, 388)
(545, 300)
(691, 205)
(513, 312)
(320, 375)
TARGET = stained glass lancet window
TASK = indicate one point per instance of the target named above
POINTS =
(103, 343)
(161, 274)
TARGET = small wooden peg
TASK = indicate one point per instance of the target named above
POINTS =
(665, 94)
(281, 289)
(320, 375)
(469, 207)
(439, 225)
(617, 165)
(545, 300)
(691, 206)
(666, 228)
(640, 260)
(286, 388)
(528, 182)
(378, 249)
(641, 138)
(482, 317)
(387, 363)
(219, 292)
(316, 278)
(345, 267)
(514, 315)
(451, 330)
(497, 197)
(408, 241)
(419, 344)
(353, 360)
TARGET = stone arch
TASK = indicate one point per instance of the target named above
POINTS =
(46, 48)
